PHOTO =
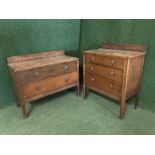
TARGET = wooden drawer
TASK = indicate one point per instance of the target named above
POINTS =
(44, 72)
(104, 84)
(104, 60)
(49, 84)
(109, 72)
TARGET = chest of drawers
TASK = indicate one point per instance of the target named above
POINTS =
(115, 71)
(37, 75)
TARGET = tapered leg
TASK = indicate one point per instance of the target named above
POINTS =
(137, 101)
(122, 109)
(24, 111)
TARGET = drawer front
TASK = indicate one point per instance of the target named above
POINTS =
(105, 60)
(44, 72)
(104, 84)
(109, 72)
(41, 86)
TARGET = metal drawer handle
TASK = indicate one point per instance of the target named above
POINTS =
(38, 87)
(92, 59)
(36, 74)
(92, 79)
(91, 68)
(113, 62)
(66, 67)
(111, 85)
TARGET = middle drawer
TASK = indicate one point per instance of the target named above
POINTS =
(108, 72)
(48, 71)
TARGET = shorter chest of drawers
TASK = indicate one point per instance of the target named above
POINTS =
(115, 71)
(37, 75)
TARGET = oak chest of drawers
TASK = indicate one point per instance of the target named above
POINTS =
(115, 71)
(37, 75)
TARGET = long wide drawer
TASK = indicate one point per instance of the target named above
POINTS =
(47, 71)
(49, 84)
(115, 62)
(108, 72)
(104, 84)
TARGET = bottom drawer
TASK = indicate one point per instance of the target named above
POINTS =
(104, 84)
(38, 87)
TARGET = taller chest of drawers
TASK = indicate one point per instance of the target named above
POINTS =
(37, 75)
(114, 71)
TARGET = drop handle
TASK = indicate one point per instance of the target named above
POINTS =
(66, 67)
(38, 87)
(92, 79)
(113, 62)
(36, 74)
(92, 59)
(92, 68)
(111, 85)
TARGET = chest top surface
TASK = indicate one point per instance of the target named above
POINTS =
(115, 53)
(19, 63)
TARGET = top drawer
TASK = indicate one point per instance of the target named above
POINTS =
(44, 72)
(104, 60)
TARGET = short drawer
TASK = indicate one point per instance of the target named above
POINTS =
(41, 86)
(109, 72)
(104, 60)
(103, 84)
(47, 71)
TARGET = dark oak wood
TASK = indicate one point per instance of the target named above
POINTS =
(125, 47)
(37, 75)
(115, 71)
(108, 72)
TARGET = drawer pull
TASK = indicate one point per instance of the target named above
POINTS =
(36, 74)
(38, 87)
(111, 85)
(92, 68)
(92, 79)
(113, 62)
(66, 67)
(92, 59)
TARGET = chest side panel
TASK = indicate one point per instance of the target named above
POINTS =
(134, 75)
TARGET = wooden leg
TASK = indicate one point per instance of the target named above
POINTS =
(17, 103)
(137, 101)
(122, 109)
(25, 112)
(78, 89)
(85, 92)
